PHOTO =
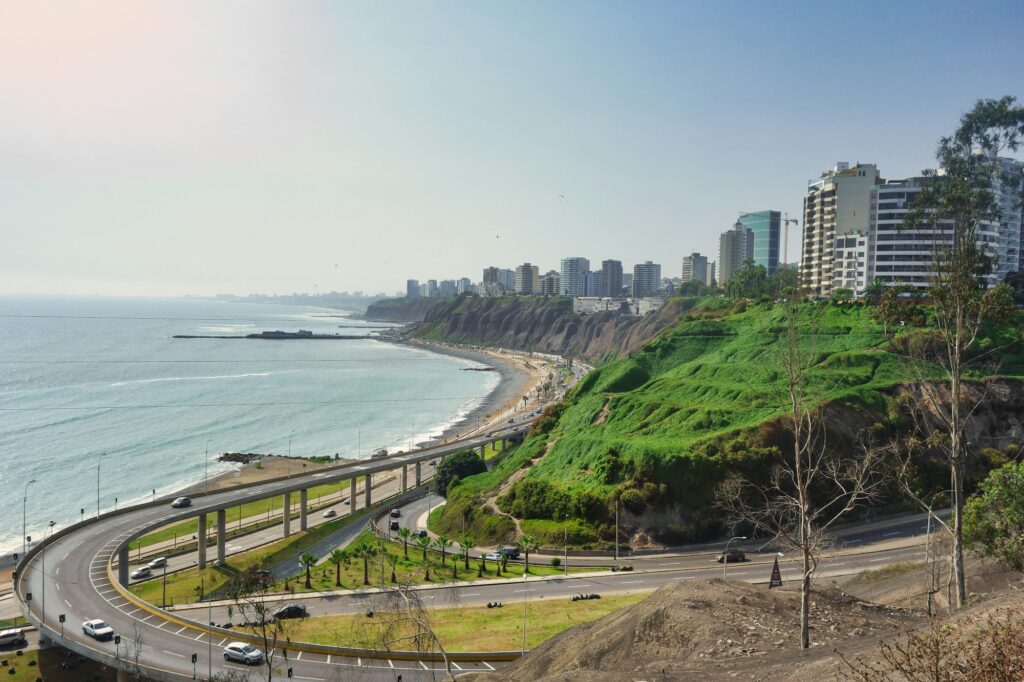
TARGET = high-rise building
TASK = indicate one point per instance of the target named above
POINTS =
(550, 283)
(646, 279)
(766, 226)
(611, 278)
(734, 247)
(592, 283)
(527, 279)
(412, 288)
(465, 285)
(695, 267)
(501, 278)
(836, 205)
(711, 276)
(573, 276)
(432, 290)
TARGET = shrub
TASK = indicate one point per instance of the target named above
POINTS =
(461, 465)
(556, 562)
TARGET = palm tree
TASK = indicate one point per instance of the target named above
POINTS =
(405, 534)
(338, 557)
(308, 561)
(873, 292)
(424, 544)
(527, 544)
(443, 542)
(466, 542)
(366, 549)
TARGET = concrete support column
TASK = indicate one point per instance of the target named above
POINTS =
(405, 478)
(287, 509)
(123, 676)
(122, 566)
(481, 452)
(367, 488)
(201, 537)
(222, 526)
(303, 501)
(418, 474)
(352, 493)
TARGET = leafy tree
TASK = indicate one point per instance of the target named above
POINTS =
(527, 544)
(338, 557)
(749, 281)
(784, 282)
(466, 542)
(994, 517)
(842, 294)
(957, 198)
(462, 464)
(308, 561)
(442, 543)
(366, 549)
(692, 288)
(424, 543)
(873, 292)
(405, 534)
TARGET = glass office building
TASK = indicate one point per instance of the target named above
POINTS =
(766, 226)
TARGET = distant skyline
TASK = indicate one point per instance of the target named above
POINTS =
(164, 149)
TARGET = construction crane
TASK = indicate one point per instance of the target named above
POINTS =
(786, 220)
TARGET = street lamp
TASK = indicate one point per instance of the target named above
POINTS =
(24, 503)
(206, 469)
(525, 599)
(42, 560)
(725, 557)
(99, 461)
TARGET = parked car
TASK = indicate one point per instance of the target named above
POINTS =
(347, 502)
(394, 525)
(421, 533)
(159, 562)
(509, 551)
(511, 421)
(291, 611)
(731, 557)
(15, 636)
(494, 556)
(98, 630)
(330, 513)
(181, 502)
(396, 513)
(243, 653)
(141, 572)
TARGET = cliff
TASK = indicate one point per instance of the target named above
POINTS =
(402, 310)
(546, 325)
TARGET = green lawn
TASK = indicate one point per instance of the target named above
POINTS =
(475, 628)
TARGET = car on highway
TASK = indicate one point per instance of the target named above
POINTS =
(494, 556)
(731, 557)
(511, 421)
(141, 572)
(243, 653)
(181, 502)
(290, 611)
(394, 525)
(158, 562)
(509, 551)
(396, 513)
(15, 636)
(330, 513)
(347, 503)
(98, 630)
(421, 533)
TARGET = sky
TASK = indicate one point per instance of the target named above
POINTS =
(167, 148)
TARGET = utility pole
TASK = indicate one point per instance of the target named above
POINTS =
(99, 461)
(616, 530)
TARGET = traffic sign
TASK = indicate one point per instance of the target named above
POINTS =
(776, 580)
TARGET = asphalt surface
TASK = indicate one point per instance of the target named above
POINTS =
(76, 586)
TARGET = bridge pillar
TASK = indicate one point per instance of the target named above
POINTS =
(418, 474)
(367, 488)
(287, 514)
(481, 452)
(222, 524)
(122, 566)
(201, 537)
(405, 478)
(123, 676)
(303, 502)
(352, 493)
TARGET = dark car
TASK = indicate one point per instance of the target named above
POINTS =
(421, 533)
(731, 557)
(394, 525)
(510, 552)
(291, 611)
(181, 502)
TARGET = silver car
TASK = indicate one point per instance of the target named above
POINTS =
(243, 653)
(15, 636)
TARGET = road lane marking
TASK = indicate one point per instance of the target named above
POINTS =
(489, 666)
(328, 659)
(201, 635)
(472, 594)
(221, 642)
(630, 582)
(172, 653)
(889, 535)
(58, 587)
(529, 590)
(300, 677)
(391, 664)
(685, 577)
(69, 604)
(180, 631)
(424, 665)
(299, 657)
(57, 572)
(885, 558)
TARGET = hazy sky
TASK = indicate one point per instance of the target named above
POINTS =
(165, 148)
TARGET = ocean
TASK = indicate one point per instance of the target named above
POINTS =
(99, 382)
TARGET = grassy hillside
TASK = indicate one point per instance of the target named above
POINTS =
(663, 425)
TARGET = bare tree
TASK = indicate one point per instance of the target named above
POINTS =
(811, 487)
(957, 201)
(248, 591)
(133, 650)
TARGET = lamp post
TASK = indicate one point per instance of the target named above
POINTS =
(24, 530)
(206, 468)
(525, 599)
(42, 561)
(725, 557)
(290, 434)
(99, 461)
(565, 563)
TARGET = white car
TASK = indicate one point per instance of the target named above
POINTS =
(330, 514)
(12, 637)
(243, 653)
(493, 556)
(159, 562)
(141, 572)
(97, 629)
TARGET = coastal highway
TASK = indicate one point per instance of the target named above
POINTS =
(68, 576)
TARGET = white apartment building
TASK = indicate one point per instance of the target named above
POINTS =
(646, 279)
(695, 267)
(573, 276)
(734, 247)
(527, 279)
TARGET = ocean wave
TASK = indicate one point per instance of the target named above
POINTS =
(205, 378)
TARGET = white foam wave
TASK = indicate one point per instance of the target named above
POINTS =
(205, 378)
